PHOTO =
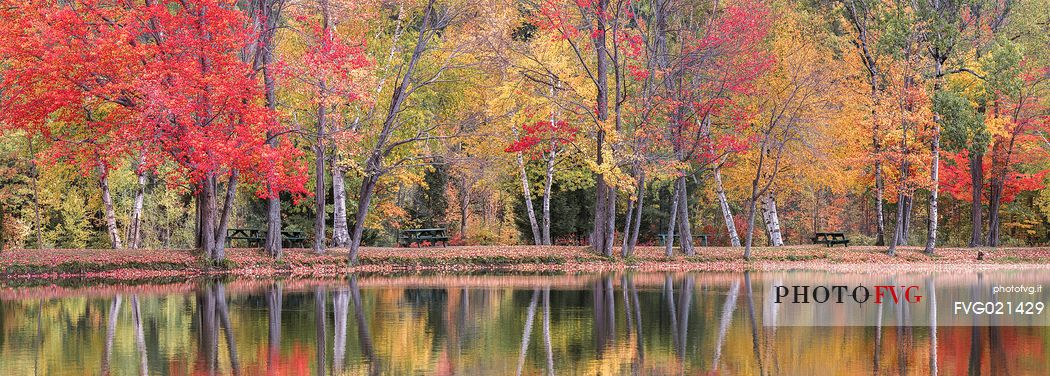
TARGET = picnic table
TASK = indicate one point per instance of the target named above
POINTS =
(420, 235)
(254, 236)
(702, 237)
(830, 238)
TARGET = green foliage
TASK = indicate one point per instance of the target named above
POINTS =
(571, 216)
(962, 128)
(430, 201)
(1002, 67)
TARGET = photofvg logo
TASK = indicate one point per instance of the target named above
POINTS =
(842, 294)
(957, 299)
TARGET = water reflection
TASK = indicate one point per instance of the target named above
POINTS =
(627, 323)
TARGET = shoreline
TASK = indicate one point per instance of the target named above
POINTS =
(21, 266)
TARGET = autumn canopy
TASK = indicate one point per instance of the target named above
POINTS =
(606, 123)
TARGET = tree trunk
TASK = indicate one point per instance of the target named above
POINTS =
(224, 219)
(270, 11)
(135, 228)
(340, 231)
(367, 187)
(107, 203)
(464, 208)
(977, 185)
(750, 227)
(669, 240)
(880, 220)
(906, 220)
(627, 227)
(685, 230)
(637, 226)
(898, 226)
(319, 189)
(547, 183)
(208, 226)
(727, 213)
(769, 216)
(273, 242)
(603, 218)
(37, 225)
(610, 219)
(373, 166)
(935, 154)
(527, 193)
(995, 197)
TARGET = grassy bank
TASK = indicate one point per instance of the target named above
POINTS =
(53, 264)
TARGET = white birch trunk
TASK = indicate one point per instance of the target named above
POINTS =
(551, 159)
(340, 230)
(931, 238)
(769, 215)
(107, 202)
(528, 201)
(727, 213)
(935, 149)
(135, 229)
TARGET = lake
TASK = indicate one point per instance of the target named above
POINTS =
(620, 323)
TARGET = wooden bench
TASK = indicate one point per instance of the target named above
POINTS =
(830, 238)
(254, 237)
(420, 235)
(702, 237)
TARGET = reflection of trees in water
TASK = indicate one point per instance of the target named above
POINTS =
(340, 308)
(679, 310)
(274, 300)
(724, 322)
(213, 315)
(931, 298)
(633, 312)
(364, 335)
(111, 331)
(321, 324)
(526, 334)
(604, 328)
(140, 337)
(480, 328)
(754, 324)
(547, 330)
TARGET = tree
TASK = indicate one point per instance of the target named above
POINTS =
(940, 23)
(437, 25)
(171, 86)
(795, 98)
(327, 71)
(863, 16)
(543, 140)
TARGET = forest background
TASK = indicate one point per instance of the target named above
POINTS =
(160, 124)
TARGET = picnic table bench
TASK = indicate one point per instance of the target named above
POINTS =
(254, 237)
(702, 237)
(420, 235)
(830, 238)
